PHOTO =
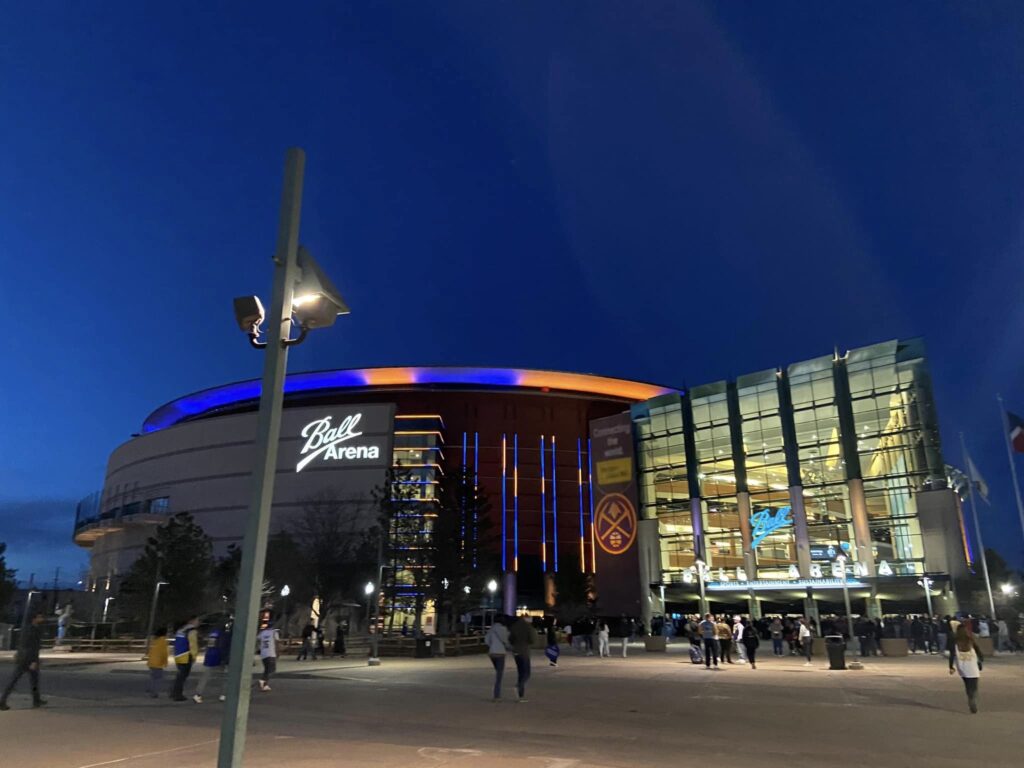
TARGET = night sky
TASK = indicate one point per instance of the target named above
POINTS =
(676, 192)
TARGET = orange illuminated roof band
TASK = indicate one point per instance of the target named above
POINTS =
(230, 395)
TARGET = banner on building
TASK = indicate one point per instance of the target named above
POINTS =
(617, 566)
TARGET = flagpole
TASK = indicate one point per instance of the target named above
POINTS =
(977, 527)
(1013, 464)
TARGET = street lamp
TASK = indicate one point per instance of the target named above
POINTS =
(841, 559)
(302, 295)
(368, 590)
(1007, 589)
(152, 610)
(106, 605)
(492, 587)
(28, 602)
(926, 584)
(285, 591)
(701, 572)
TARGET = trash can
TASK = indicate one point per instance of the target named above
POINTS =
(835, 646)
(423, 648)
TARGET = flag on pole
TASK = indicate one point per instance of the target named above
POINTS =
(979, 481)
(1016, 426)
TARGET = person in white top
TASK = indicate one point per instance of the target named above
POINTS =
(498, 647)
(806, 641)
(602, 639)
(267, 639)
(737, 639)
(966, 658)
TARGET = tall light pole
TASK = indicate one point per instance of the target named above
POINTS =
(152, 609)
(846, 597)
(318, 306)
(701, 572)
(285, 591)
(926, 584)
(28, 603)
(106, 605)
(492, 587)
(368, 590)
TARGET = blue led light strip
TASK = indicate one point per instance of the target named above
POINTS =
(543, 514)
(515, 501)
(579, 485)
(504, 524)
(590, 492)
(554, 503)
(462, 495)
(476, 494)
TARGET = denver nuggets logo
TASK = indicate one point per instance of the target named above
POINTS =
(615, 524)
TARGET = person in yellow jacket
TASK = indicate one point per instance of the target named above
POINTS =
(186, 651)
(156, 660)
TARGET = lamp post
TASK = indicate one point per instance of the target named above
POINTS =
(926, 584)
(701, 572)
(302, 294)
(285, 591)
(152, 610)
(28, 603)
(106, 605)
(368, 590)
(841, 559)
(492, 587)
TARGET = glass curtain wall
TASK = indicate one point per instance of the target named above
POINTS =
(767, 479)
(723, 541)
(664, 489)
(822, 469)
(891, 445)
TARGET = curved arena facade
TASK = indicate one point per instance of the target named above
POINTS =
(776, 490)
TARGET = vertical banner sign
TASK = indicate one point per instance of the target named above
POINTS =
(615, 516)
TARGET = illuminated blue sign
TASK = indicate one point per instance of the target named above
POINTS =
(764, 523)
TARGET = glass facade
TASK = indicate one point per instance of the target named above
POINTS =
(837, 433)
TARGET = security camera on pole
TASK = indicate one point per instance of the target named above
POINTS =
(304, 296)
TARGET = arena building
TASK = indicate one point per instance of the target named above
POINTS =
(779, 490)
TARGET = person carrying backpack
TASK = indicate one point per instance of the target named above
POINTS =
(186, 651)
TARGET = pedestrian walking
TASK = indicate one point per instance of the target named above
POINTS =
(307, 641)
(521, 638)
(214, 664)
(602, 639)
(724, 636)
(339, 641)
(626, 628)
(966, 658)
(775, 630)
(186, 651)
(551, 649)
(27, 660)
(750, 642)
(268, 638)
(156, 661)
(737, 639)
(707, 631)
(498, 646)
(318, 642)
(806, 638)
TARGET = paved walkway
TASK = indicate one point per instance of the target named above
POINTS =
(647, 709)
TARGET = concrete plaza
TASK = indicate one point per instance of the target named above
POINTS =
(655, 709)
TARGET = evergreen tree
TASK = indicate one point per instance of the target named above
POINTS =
(181, 554)
(8, 585)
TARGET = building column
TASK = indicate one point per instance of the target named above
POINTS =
(811, 608)
(743, 509)
(509, 598)
(649, 543)
(861, 530)
(550, 593)
(803, 544)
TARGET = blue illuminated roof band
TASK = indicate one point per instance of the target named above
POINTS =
(231, 395)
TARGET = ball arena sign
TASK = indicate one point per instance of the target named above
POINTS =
(325, 440)
(615, 524)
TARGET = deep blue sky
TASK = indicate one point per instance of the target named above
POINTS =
(670, 191)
